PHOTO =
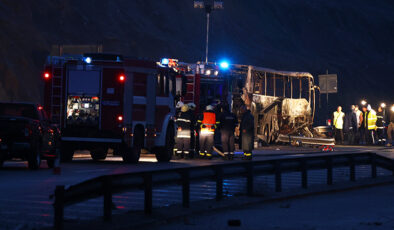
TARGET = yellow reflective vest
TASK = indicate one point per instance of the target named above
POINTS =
(338, 120)
(371, 118)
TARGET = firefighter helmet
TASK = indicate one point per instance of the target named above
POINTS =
(209, 107)
(184, 108)
(191, 105)
(179, 105)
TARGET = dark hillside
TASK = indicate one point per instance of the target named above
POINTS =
(353, 38)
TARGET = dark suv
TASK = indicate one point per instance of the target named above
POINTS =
(26, 133)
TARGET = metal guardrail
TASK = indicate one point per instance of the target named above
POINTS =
(108, 185)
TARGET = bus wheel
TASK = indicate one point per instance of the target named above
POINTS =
(164, 154)
(98, 153)
(266, 136)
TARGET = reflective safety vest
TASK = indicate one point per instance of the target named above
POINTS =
(338, 120)
(371, 118)
(208, 122)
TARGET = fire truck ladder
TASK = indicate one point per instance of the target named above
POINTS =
(190, 88)
(57, 92)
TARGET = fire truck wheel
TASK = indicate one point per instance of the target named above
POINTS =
(98, 153)
(131, 155)
(164, 154)
(34, 158)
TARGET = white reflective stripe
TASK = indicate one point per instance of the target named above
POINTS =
(183, 136)
(185, 120)
(89, 139)
(139, 100)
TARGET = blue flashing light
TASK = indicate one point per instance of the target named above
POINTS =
(224, 65)
(88, 60)
(165, 61)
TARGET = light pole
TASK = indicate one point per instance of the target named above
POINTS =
(209, 6)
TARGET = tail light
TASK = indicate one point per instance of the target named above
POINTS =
(122, 78)
(328, 122)
(47, 75)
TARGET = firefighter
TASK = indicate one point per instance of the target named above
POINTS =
(207, 122)
(247, 133)
(338, 119)
(184, 124)
(390, 128)
(380, 126)
(228, 122)
(192, 110)
(369, 124)
(178, 108)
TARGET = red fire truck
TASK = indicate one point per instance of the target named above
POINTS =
(103, 101)
(201, 84)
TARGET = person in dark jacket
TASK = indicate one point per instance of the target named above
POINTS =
(390, 128)
(380, 123)
(228, 122)
(247, 133)
(184, 125)
(351, 125)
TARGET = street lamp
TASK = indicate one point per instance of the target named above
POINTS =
(363, 102)
(383, 105)
(209, 6)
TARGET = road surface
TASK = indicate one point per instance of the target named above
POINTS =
(24, 194)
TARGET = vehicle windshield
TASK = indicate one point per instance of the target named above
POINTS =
(18, 110)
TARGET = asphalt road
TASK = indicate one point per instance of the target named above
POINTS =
(24, 194)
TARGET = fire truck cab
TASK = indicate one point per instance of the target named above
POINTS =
(102, 101)
(202, 84)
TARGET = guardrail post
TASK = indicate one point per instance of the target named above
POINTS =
(352, 167)
(59, 207)
(278, 177)
(107, 188)
(219, 183)
(304, 173)
(329, 170)
(148, 187)
(373, 165)
(249, 174)
(185, 188)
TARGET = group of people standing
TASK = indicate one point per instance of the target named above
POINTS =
(365, 126)
(214, 128)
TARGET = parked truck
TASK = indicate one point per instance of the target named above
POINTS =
(27, 134)
(108, 101)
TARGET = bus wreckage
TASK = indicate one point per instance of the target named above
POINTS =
(282, 103)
